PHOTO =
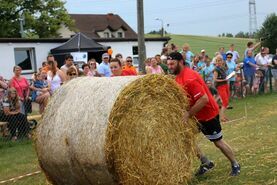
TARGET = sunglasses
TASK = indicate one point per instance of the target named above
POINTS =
(72, 74)
(229, 57)
(129, 61)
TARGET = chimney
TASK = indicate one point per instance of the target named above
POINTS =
(110, 14)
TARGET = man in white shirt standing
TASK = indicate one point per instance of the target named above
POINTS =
(235, 54)
(263, 62)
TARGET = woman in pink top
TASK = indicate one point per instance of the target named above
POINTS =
(21, 85)
(154, 68)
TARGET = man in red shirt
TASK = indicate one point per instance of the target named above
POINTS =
(204, 108)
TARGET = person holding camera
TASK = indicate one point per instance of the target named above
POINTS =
(251, 47)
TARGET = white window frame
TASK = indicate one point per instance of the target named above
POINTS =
(120, 33)
(106, 35)
(32, 58)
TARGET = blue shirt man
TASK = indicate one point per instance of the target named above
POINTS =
(104, 68)
(249, 67)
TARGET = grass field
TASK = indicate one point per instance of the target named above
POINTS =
(210, 44)
(254, 141)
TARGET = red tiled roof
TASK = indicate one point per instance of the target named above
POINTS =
(90, 24)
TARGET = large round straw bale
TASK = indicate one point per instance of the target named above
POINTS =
(122, 130)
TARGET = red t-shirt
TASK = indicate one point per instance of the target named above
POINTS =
(128, 72)
(195, 87)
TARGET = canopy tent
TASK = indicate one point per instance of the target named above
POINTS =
(79, 42)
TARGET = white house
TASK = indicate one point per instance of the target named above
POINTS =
(30, 53)
(106, 29)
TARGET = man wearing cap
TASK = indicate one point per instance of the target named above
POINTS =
(203, 53)
(104, 68)
(204, 108)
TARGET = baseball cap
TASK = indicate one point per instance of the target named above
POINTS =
(203, 51)
(231, 54)
(105, 55)
(175, 56)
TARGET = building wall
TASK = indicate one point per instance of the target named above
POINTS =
(117, 31)
(126, 48)
(8, 59)
(101, 33)
(43, 49)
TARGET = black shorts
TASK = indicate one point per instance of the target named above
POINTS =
(211, 129)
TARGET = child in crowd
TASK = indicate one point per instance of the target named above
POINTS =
(39, 86)
(3, 87)
(256, 82)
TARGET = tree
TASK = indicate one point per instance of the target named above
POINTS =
(42, 17)
(240, 34)
(268, 32)
(229, 35)
(157, 32)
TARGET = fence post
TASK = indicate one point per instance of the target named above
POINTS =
(270, 79)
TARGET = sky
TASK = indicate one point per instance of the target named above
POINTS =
(190, 17)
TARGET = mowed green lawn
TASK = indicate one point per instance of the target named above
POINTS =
(210, 44)
(254, 141)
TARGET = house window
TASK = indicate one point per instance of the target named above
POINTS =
(135, 50)
(119, 34)
(106, 34)
(25, 58)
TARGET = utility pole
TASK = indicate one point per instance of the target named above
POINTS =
(22, 22)
(252, 17)
(141, 40)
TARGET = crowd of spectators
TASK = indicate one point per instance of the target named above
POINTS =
(224, 73)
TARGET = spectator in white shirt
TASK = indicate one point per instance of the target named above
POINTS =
(263, 63)
(235, 54)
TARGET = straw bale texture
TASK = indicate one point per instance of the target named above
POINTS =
(125, 130)
(147, 140)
